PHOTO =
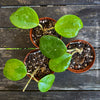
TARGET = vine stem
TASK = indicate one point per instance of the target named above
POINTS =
(32, 76)
(75, 51)
(36, 80)
(28, 73)
(41, 27)
(70, 50)
(47, 29)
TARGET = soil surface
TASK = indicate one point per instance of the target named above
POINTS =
(36, 59)
(81, 61)
(37, 31)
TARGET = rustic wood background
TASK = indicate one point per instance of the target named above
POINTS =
(67, 86)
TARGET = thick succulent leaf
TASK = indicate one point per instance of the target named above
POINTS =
(68, 26)
(14, 70)
(60, 64)
(25, 18)
(51, 46)
(46, 82)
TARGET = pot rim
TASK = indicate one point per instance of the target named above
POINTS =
(89, 66)
(43, 18)
(27, 57)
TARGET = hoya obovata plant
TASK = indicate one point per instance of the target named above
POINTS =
(26, 18)
(52, 47)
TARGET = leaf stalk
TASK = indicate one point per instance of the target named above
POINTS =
(32, 76)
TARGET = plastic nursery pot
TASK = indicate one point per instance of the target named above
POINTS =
(33, 30)
(80, 64)
(34, 59)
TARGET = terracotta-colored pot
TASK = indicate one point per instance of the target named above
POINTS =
(27, 57)
(90, 65)
(47, 18)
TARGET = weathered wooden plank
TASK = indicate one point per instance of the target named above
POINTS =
(48, 2)
(67, 80)
(5, 55)
(18, 38)
(20, 54)
(53, 95)
(88, 14)
(91, 35)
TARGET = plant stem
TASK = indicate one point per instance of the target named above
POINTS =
(29, 73)
(47, 29)
(32, 76)
(41, 27)
(27, 84)
(16, 48)
(70, 50)
(36, 80)
(75, 51)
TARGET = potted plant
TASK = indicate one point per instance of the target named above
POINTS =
(81, 54)
(59, 60)
(83, 61)
(15, 69)
(34, 59)
(52, 50)
(46, 28)
(26, 18)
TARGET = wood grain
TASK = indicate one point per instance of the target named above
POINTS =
(67, 80)
(19, 38)
(20, 54)
(67, 85)
(52, 95)
(49, 2)
(88, 14)
(90, 34)
(5, 55)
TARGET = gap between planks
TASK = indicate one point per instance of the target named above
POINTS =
(46, 5)
(48, 91)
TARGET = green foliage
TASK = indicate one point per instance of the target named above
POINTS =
(25, 18)
(51, 46)
(61, 63)
(14, 70)
(68, 26)
(46, 82)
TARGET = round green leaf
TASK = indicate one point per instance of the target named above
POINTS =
(25, 18)
(14, 70)
(51, 46)
(61, 63)
(46, 82)
(68, 26)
